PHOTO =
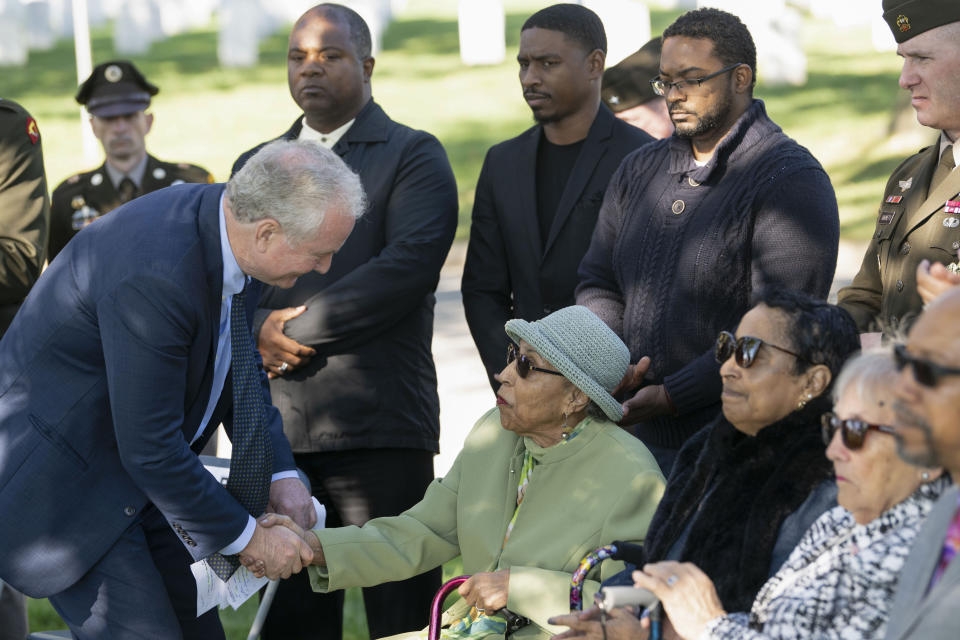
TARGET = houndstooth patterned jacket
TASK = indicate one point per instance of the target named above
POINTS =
(839, 582)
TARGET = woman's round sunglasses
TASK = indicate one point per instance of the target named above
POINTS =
(524, 366)
(852, 431)
(744, 349)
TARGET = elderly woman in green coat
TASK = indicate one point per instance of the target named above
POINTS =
(543, 479)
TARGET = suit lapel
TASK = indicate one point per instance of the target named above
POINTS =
(921, 207)
(590, 154)
(209, 225)
(921, 563)
(527, 225)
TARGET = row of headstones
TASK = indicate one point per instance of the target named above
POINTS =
(775, 24)
(35, 25)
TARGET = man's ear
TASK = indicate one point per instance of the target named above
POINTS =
(743, 78)
(595, 61)
(368, 68)
(265, 232)
(149, 119)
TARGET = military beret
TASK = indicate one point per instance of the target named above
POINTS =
(627, 84)
(115, 88)
(909, 18)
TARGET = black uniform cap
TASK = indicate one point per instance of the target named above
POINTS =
(909, 18)
(627, 84)
(115, 88)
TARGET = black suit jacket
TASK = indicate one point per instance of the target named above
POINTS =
(507, 273)
(373, 383)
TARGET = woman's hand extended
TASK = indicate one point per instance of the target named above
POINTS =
(688, 596)
(486, 591)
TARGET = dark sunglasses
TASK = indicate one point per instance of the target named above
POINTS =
(744, 349)
(524, 366)
(852, 432)
(924, 372)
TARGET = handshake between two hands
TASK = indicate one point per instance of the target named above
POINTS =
(280, 547)
(282, 543)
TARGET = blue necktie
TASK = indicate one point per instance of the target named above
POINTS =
(251, 463)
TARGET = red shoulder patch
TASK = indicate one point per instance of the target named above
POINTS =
(33, 130)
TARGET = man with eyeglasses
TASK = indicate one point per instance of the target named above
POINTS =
(919, 218)
(538, 194)
(927, 403)
(692, 226)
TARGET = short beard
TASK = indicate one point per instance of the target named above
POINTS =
(546, 119)
(708, 122)
(928, 457)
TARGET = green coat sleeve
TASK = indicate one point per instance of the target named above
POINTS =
(394, 548)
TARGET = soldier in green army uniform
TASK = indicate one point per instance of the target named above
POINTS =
(117, 95)
(24, 208)
(919, 218)
(24, 222)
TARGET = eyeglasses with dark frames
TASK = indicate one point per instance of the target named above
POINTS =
(662, 88)
(925, 372)
(744, 349)
(852, 431)
(524, 366)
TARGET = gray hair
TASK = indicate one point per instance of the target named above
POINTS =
(295, 182)
(869, 373)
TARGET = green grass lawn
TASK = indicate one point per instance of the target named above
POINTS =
(209, 115)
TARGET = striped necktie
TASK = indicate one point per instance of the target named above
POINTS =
(251, 462)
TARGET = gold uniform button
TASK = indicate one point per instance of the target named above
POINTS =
(899, 286)
(678, 207)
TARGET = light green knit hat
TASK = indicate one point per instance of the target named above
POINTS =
(581, 347)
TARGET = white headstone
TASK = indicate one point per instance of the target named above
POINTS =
(13, 36)
(775, 28)
(40, 35)
(627, 23)
(137, 27)
(482, 26)
(238, 43)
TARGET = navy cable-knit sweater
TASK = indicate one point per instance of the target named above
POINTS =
(679, 251)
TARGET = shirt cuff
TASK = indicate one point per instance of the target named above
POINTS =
(280, 475)
(241, 543)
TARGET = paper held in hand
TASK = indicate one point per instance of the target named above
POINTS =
(214, 592)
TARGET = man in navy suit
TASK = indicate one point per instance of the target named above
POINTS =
(117, 369)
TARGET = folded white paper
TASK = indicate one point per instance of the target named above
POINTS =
(214, 592)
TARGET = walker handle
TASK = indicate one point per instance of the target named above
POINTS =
(437, 605)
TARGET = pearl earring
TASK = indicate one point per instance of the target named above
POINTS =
(564, 429)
